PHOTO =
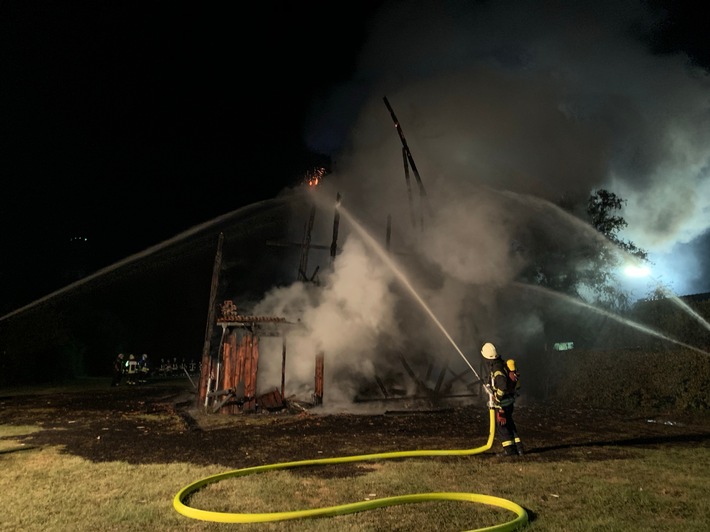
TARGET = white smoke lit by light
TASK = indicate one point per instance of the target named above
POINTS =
(507, 107)
(541, 98)
(346, 318)
(637, 271)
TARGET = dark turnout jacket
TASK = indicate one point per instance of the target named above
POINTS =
(499, 382)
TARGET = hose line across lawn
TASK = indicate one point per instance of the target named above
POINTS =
(520, 520)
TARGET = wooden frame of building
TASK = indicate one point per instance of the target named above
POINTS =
(229, 383)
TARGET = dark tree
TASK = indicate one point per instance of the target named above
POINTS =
(601, 279)
(583, 267)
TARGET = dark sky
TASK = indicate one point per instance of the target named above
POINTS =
(128, 122)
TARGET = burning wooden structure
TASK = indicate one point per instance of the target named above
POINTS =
(230, 384)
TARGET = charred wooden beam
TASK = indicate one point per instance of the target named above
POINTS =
(457, 377)
(381, 384)
(305, 250)
(440, 380)
(283, 369)
(426, 397)
(232, 398)
(409, 187)
(271, 401)
(408, 153)
(318, 394)
(419, 383)
(206, 358)
(336, 225)
(283, 244)
(220, 393)
(429, 369)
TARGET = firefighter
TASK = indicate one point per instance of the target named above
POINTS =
(143, 369)
(117, 372)
(131, 370)
(503, 400)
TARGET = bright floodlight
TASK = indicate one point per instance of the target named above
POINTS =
(637, 271)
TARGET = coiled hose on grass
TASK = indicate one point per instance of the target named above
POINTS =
(519, 521)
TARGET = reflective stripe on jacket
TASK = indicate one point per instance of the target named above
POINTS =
(499, 382)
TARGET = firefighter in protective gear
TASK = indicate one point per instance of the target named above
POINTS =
(143, 369)
(117, 371)
(503, 400)
(131, 370)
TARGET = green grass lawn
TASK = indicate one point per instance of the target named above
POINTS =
(660, 489)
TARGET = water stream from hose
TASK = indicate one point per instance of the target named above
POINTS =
(615, 317)
(387, 259)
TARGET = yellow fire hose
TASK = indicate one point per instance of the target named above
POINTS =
(225, 517)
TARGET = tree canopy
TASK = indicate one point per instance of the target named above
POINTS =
(587, 268)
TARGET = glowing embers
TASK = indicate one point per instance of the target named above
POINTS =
(314, 177)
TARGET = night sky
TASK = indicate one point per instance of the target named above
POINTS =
(126, 123)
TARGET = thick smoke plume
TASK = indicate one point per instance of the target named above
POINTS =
(549, 99)
(507, 108)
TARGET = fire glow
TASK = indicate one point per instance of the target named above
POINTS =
(314, 177)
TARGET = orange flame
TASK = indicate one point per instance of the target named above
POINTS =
(314, 177)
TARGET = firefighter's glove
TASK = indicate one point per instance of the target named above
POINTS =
(500, 417)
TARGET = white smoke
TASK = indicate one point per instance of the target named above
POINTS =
(344, 318)
(543, 98)
(507, 108)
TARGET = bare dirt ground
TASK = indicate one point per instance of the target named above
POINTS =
(160, 422)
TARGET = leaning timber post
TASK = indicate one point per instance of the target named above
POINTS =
(206, 358)
(408, 153)
(318, 395)
(336, 226)
(429, 369)
(382, 386)
(306, 246)
(283, 369)
(213, 378)
(409, 187)
(440, 380)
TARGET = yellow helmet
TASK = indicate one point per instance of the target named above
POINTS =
(131, 357)
(489, 351)
(511, 364)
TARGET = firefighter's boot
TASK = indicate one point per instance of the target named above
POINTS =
(510, 450)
